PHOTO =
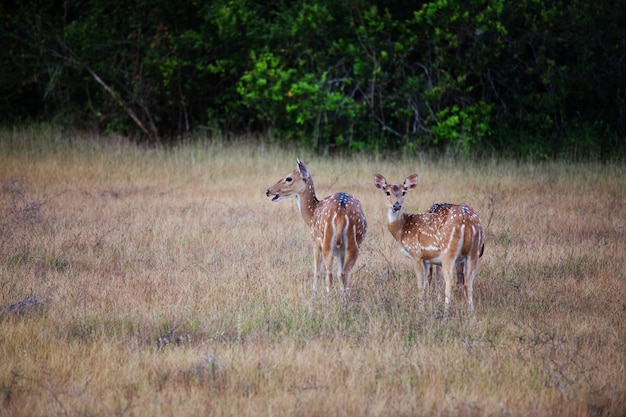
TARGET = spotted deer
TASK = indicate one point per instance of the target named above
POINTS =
(337, 224)
(447, 235)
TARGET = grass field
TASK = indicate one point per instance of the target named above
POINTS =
(162, 282)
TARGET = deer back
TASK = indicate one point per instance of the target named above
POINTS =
(339, 215)
(444, 230)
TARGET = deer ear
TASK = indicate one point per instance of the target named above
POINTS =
(304, 172)
(410, 182)
(379, 181)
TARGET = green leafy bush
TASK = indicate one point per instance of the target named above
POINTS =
(522, 78)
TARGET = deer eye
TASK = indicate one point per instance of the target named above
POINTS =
(288, 179)
(388, 193)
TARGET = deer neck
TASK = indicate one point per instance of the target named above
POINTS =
(307, 203)
(397, 222)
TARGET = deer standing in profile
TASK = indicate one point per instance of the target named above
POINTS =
(447, 235)
(337, 224)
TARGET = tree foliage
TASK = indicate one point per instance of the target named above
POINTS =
(538, 78)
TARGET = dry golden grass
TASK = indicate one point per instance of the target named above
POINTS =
(163, 282)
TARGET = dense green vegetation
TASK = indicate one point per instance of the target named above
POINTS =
(526, 78)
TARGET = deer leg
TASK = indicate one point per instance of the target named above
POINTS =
(342, 273)
(431, 272)
(327, 252)
(448, 269)
(317, 273)
(470, 273)
(351, 256)
(434, 272)
(329, 274)
(460, 273)
(421, 273)
(470, 297)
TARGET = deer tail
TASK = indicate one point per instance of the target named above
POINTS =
(341, 226)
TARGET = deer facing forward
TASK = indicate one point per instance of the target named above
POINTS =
(447, 235)
(337, 224)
